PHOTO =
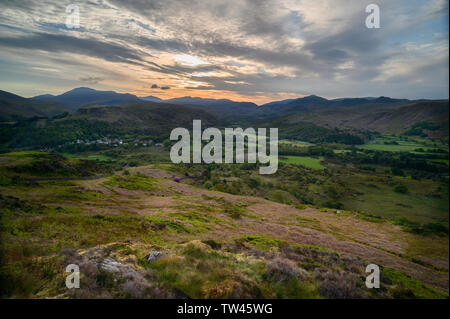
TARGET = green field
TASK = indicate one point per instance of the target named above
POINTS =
(309, 162)
(295, 143)
(101, 158)
(402, 146)
(424, 201)
(396, 144)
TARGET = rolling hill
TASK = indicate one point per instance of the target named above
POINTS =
(389, 119)
(14, 107)
(156, 120)
(315, 103)
(82, 97)
(79, 97)
(399, 120)
(380, 114)
(221, 108)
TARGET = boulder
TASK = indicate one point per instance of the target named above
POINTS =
(155, 255)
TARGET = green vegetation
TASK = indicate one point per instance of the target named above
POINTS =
(40, 164)
(100, 157)
(309, 132)
(418, 129)
(408, 288)
(222, 228)
(400, 144)
(132, 182)
(436, 228)
(309, 162)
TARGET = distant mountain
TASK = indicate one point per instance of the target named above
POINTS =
(314, 103)
(152, 98)
(401, 119)
(307, 100)
(382, 114)
(13, 107)
(221, 108)
(304, 104)
(79, 97)
(292, 129)
(277, 103)
(150, 118)
(82, 97)
(392, 117)
(43, 97)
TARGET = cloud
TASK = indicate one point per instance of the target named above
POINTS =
(91, 79)
(156, 86)
(242, 48)
(63, 43)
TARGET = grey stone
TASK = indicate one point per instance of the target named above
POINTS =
(155, 255)
(110, 265)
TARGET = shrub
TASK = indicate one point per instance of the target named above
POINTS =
(335, 205)
(208, 185)
(105, 279)
(402, 189)
(281, 269)
(397, 171)
(338, 285)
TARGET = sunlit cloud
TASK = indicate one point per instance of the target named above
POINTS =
(46, 69)
(193, 84)
(189, 60)
(203, 74)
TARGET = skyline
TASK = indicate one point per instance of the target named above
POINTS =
(245, 51)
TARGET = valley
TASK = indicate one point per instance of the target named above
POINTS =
(95, 186)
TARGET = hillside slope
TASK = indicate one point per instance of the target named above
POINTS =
(313, 104)
(386, 120)
(156, 120)
(220, 108)
(399, 120)
(76, 98)
(206, 244)
(13, 107)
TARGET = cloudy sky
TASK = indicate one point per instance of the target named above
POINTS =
(252, 50)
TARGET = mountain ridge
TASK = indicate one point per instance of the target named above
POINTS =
(13, 107)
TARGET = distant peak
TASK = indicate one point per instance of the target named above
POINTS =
(83, 88)
(315, 97)
(384, 99)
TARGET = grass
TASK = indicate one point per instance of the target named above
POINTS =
(395, 144)
(32, 164)
(133, 182)
(67, 214)
(295, 143)
(162, 223)
(408, 287)
(197, 219)
(377, 196)
(309, 162)
(200, 272)
(96, 157)
(261, 241)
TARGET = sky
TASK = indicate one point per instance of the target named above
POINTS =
(244, 50)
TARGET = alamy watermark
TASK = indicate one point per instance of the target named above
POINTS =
(373, 19)
(73, 280)
(373, 279)
(73, 16)
(212, 152)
